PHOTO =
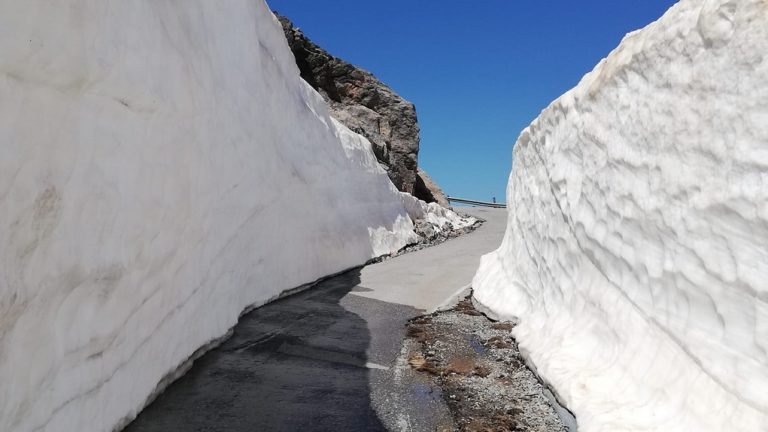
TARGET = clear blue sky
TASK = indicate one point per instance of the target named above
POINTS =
(478, 71)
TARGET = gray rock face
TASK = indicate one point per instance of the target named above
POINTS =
(427, 190)
(364, 104)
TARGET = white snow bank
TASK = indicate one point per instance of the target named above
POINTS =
(434, 213)
(636, 255)
(163, 167)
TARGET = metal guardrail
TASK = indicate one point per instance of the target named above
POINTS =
(477, 203)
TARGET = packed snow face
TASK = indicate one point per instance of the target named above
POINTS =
(163, 167)
(636, 255)
(435, 214)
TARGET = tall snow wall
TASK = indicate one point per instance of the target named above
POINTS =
(636, 255)
(162, 167)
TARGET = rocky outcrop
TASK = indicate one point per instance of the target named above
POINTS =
(426, 189)
(367, 106)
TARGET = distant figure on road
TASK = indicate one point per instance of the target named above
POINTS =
(494, 200)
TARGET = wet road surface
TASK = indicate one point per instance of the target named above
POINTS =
(325, 359)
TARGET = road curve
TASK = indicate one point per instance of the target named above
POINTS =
(326, 359)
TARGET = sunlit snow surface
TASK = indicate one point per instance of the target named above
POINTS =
(162, 168)
(636, 255)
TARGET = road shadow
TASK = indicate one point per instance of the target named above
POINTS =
(296, 364)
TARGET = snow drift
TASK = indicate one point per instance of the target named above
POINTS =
(163, 167)
(439, 217)
(636, 256)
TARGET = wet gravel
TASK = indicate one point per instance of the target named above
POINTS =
(478, 367)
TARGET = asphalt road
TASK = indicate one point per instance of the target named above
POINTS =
(327, 359)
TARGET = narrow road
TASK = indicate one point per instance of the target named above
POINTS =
(326, 359)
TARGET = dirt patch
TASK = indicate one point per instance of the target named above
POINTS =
(478, 367)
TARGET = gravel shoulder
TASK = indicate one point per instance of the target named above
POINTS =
(479, 371)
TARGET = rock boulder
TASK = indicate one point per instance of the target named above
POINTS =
(369, 107)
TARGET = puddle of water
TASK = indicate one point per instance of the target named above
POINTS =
(425, 392)
(476, 344)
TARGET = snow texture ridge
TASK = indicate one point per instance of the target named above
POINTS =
(164, 167)
(636, 255)
(435, 214)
